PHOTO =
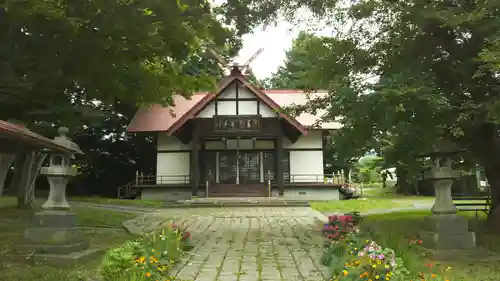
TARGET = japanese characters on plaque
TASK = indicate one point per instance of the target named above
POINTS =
(237, 123)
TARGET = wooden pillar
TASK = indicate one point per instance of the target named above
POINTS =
(195, 165)
(279, 162)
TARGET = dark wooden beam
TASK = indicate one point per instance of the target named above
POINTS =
(237, 98)
(279, 162)
(195, 164)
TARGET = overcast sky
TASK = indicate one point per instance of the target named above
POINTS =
(275, 40)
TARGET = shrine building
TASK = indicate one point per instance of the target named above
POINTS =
(235, 143)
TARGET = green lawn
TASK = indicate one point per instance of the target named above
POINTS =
(13, 221)
(395, 229)
(369, 204)
(114, 201)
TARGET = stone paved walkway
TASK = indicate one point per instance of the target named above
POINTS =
(252, 244)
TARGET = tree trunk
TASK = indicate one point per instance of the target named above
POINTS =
(347, 174)
(486, 148)
(6, 161)
(403, 185)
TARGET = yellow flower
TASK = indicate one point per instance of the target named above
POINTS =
(345, 272)
(377, 277)
(374, 265)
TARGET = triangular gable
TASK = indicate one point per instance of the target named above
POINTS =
(235, 76)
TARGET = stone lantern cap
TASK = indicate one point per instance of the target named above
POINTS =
(63, 140)
(442, 148)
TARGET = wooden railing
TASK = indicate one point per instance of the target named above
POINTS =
(313, 178)
(170, 179)
(128, 189)
(141, 180)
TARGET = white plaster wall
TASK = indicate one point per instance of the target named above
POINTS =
(319, 194)
(314, 139)
(247, 107)
(306, 166)
(170, 143)
(165, 193)
(229, 107)
(172, 167)
(208, 111)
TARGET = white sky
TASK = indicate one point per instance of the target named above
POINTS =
(275, 40)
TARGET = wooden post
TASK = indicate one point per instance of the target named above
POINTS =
(280, 170)
(207, 183)
(195, 162)
(269, 182)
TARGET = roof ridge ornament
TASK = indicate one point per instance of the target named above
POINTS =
(234, 68)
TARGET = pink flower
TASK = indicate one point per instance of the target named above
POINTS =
(333, 218)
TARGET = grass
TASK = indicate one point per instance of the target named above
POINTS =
(395, 229)
(368, 204)
(114, 201)
(13, 221)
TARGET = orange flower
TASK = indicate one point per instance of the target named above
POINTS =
(148, 274)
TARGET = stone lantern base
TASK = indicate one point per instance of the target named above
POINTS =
(54, 239)
(448, 237)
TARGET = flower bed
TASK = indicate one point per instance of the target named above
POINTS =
(352, 256)
(149, 257)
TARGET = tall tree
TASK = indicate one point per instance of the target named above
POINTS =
(71, 62)
(416, 71)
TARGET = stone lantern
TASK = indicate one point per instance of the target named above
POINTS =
(444, 232)
(58, 173)
(54, 238)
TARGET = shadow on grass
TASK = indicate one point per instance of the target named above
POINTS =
(395, 230)
(14, 221)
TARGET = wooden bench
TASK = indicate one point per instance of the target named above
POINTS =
(479, 204)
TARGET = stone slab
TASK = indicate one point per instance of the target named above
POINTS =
(52, 218)
(469, 255)
(66, 260)
(57, 249)
(53, 235)
(447, 232)
(443, 241)
(448, 223)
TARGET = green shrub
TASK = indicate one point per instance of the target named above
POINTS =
(352, 255)
(150, 256)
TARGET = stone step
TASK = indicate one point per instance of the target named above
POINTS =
(227, 203)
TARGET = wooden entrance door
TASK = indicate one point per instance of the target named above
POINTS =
(249, 167)
(228, 167)
(239, 177)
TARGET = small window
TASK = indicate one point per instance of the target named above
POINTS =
(57, 160)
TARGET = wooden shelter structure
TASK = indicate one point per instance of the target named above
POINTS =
(29, 150)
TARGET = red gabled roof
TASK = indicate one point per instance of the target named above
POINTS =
(146, 119)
